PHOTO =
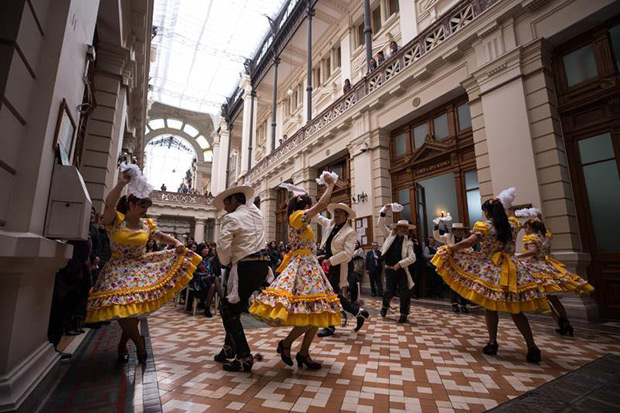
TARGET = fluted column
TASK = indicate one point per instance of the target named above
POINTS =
(199, 230)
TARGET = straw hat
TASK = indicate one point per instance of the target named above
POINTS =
(248, 191)
(334, 206)
(403, 223)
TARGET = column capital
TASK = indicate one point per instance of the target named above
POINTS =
(112, 59)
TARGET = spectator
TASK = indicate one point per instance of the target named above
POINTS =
(380, 57)
(434, 279)
(347, 86)
(393, 48)
(373, 267)
(152, 246)
(355, 276)
(206, 282)
(274, 255)
(373, 64)
(163, 187)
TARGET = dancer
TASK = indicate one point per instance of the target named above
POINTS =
(301, 296)
(459, 232)
(491, 277)
(339, 245)
(548, 271)
(242, 237)
(398, 255)
(134, 283)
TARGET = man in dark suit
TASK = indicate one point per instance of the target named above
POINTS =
(373, 267)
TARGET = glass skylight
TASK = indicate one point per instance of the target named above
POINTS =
(208, 155)
(202, 141)
(174, 123)
(201, 46)
(190, 130)
(167, 160)
(157, 124)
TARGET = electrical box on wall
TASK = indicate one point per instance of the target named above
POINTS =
(68, 209)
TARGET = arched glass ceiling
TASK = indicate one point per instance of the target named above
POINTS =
(201, 46)
(168, 157)
(157, 124)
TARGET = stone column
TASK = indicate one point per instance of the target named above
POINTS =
(345, 57)
(216, 166)
(222, 162)
(408, 20)
(306, 178)
(199, 230)
(268, 208)
(246, 85)
(381, 179)
(106, 125)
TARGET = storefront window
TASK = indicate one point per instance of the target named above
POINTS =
(440, 195)
(464, 117)
(580, 65)
(419, 135)
(600, 172)
(440, 127)
(400, 144)
(405, 200)
(614, 34)
(474, 207)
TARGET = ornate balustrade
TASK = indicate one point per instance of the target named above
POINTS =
(181, 198)
(459, 16)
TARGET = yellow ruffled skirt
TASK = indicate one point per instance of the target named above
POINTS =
(476, 277)
(136, 286)
(300, 296)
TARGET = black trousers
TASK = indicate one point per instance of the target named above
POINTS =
(394, 279)
(376, 284)
(353, 286)
(334, 280)
(457, 299)
(251, 275)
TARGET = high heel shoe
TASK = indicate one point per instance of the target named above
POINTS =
(286, 359)
(533, 355)
(312, 365)
(123, 355)
(491, 348)
(142, 355)
(565, 328)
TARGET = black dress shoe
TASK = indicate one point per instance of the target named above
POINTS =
(208, 313)
(224, 354)
(490, 349)
(280, 350)
(464, 309)
(533, 355)
(361, 317)
(64, 356)
(307, 361)
(326, 332)
(402, 318)
(383, 311)
(237, 365)
(455, 308)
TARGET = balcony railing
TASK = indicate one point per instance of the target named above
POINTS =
(181, 198)
(459, 16)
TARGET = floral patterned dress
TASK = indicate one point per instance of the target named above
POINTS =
(491, 277)
(301, 295)
(549, 272)
(133, 282)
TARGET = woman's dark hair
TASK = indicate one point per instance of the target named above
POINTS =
(298, 202)
(495, 210)
(273, 245)
(123, 204)
(537, 226)
(200, 247)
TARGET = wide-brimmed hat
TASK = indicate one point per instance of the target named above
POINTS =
(248, 191)
(334, 206)
(458, 225)
(403, 223)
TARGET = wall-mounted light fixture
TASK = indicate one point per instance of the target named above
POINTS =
(359, 198)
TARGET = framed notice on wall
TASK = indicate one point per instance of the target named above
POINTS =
(65, 134)
(363, 228)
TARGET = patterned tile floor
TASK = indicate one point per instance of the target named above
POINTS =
(431, 364)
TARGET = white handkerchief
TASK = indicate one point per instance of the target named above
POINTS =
(321, 179)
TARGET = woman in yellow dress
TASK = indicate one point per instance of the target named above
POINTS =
(301, 296)
(134, 283)
(491, 277)
(549, 272)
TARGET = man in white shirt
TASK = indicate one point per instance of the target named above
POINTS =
(339, 243)
(242, 237)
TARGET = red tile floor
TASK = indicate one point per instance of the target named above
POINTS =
(431, 364)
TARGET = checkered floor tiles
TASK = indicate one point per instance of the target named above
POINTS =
(431, 364)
